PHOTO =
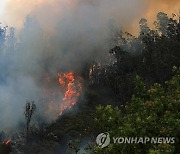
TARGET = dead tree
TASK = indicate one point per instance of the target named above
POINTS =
(29, 111)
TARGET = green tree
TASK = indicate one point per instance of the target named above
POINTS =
(152, 112)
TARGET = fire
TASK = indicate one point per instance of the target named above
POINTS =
(6, 142)
(65, 95)
(72, 88)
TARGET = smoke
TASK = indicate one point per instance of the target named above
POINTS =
(155, 6)
(49, 12)
(127, 13)
(58, 35)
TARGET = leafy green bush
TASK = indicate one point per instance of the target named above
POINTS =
(152, 112)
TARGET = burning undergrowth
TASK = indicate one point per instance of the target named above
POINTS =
(65, 95)
(45, 68)
(5, 143)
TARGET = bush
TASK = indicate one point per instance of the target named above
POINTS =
(152, 112)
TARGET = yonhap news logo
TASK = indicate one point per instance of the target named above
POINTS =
(103, 140)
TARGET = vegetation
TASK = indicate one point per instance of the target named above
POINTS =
(29, 111)
(5, 149)
(135, 93)
(151, 55)
(151, 112)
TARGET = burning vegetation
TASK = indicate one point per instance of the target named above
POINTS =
(5, 146)
(72, 87)
(133, 91)
(65, 95)
(6, 142)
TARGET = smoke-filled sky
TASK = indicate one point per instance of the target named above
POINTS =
(78, 28)
(125, 12)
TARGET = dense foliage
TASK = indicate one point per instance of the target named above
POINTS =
(151, 55)
(152, 112)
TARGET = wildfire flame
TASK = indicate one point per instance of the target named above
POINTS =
(70, 85)
(72, 88)
(6, 142)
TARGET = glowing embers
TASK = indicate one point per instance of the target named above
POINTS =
(6, 142)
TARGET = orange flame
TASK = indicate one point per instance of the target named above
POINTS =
(70, 86)
(73, 89)
(6, 142)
